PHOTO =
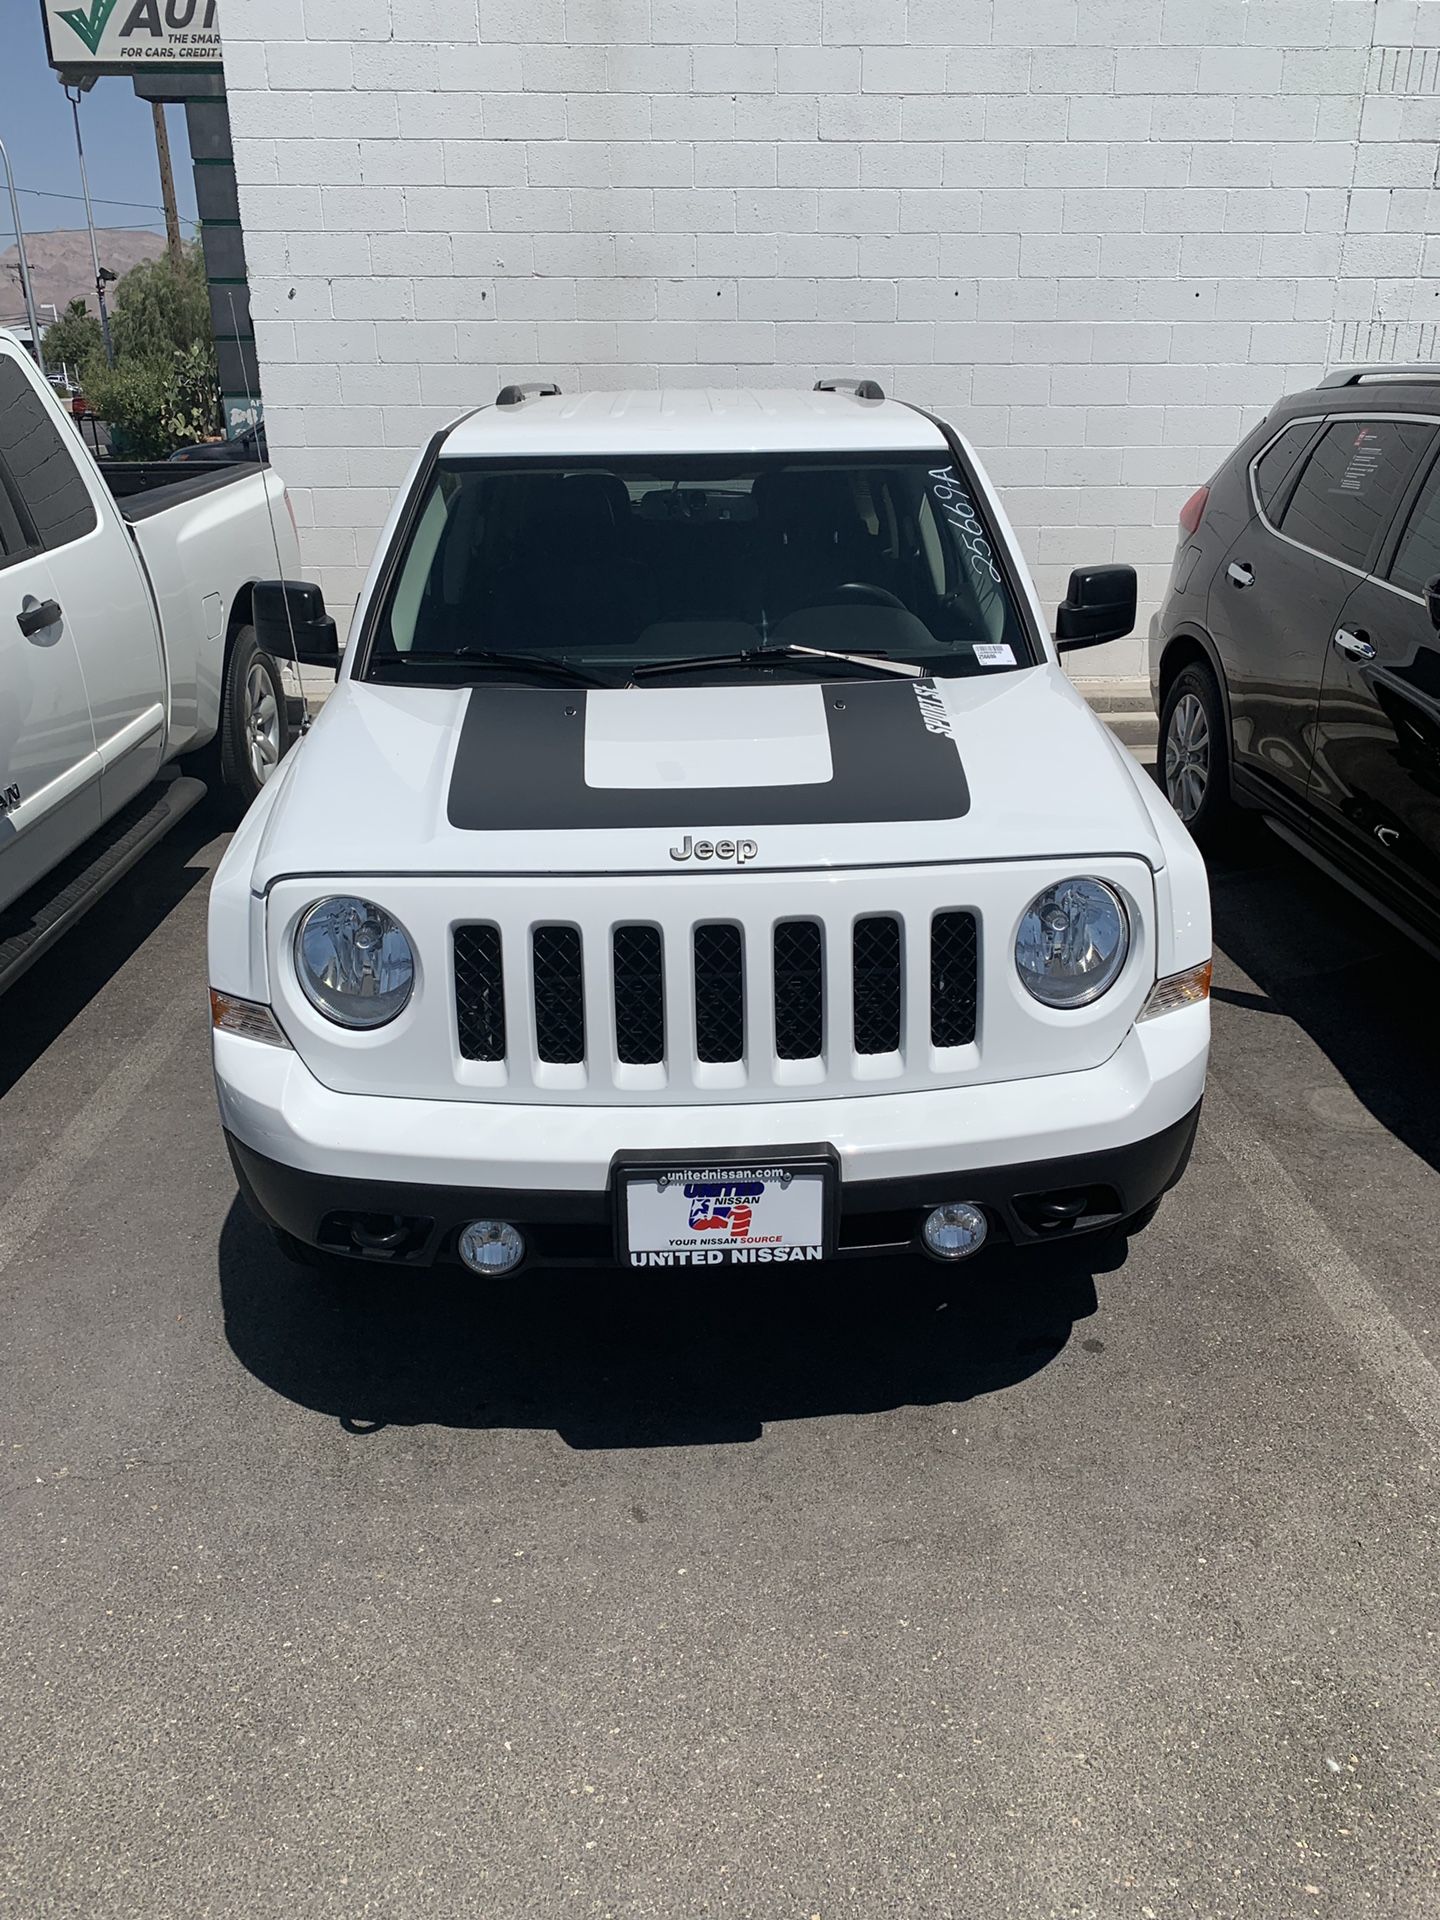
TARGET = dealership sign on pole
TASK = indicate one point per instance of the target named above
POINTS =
(127, 36)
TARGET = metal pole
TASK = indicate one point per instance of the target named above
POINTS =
(74, 99)
(34, 317)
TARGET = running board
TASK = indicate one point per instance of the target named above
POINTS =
(40, 917)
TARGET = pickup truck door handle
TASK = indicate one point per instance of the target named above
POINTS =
(37, 616)
(1354, 646)
(1238, 574)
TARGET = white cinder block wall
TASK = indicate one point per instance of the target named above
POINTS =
(1102, 234)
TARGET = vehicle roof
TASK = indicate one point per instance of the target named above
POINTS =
(693, 420)
(1381, 392)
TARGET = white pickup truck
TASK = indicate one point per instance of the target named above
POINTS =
(126, 641)
(704, 861)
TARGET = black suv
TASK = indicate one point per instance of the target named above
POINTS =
(1295, 661)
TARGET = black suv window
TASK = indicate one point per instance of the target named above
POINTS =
(1344, 499)
(42, 470)
(1417, 558)
(1277, 466)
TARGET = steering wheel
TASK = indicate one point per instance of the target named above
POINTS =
(881, 596)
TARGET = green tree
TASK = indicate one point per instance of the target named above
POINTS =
(163, 391)
(155, 403)
(160, 309)
(74, 338)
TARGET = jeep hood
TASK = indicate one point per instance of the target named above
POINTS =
(499, 779)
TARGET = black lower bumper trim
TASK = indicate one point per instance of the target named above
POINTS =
(1028, 1203)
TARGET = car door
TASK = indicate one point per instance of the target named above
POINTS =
(49, 769)
(96, 580)
(1376, 774)
(1323, 492)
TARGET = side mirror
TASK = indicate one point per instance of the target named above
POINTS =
(286, 608)
(1432, 601)
(1099, 605)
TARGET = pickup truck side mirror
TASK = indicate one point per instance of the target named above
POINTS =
(1432, 601)
(283, 608)
(1099, 605)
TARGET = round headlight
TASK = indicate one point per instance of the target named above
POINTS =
(1072, 943)
(354, 961)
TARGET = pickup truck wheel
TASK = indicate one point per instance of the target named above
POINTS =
(255, 731)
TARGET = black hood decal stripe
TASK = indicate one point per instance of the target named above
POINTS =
(520, 768)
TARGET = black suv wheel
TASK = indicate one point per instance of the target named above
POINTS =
(1195, 753)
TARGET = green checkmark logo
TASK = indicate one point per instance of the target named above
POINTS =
(91, 26)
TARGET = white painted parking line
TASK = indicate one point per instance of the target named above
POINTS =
(1307, 1245)
(24, 1213)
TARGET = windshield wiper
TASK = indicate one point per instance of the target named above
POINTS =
(545, 663)
(791, 652)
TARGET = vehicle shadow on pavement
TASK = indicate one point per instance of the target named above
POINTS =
(43, 1002)
(1323, 959)
(610, 1360)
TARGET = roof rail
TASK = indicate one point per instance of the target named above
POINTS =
(1391, 370)
(862, 389)
(514, 396)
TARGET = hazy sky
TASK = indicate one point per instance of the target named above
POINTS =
(39, 136)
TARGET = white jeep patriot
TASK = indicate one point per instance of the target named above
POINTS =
(703, 859)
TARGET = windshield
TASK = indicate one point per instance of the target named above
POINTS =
(611, 566)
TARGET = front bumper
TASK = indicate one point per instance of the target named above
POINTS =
(1026, 1203)
(313, 1161)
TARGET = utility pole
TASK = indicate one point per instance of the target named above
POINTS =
(167, 185)
(102, 274)
(28, 291)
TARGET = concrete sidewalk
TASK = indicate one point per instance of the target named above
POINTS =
(1124, 705)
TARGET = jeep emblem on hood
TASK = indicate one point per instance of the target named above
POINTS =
(737, 850)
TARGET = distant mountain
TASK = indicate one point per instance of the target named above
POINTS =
(60, 269)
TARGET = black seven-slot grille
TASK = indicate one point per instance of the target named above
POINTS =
(717, 960)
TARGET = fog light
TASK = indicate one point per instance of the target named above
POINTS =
(955, 1230)
(491, 1246)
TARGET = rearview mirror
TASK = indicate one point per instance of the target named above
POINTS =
(291, 623)
(1432, 601)
(1099, 605)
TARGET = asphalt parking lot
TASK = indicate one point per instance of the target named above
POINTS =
(1079, 1586)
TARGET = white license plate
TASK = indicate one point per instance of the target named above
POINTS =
(715, 1216)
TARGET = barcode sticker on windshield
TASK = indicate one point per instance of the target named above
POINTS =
(994, 653)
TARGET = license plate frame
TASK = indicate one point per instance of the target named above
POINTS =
(812, 1165)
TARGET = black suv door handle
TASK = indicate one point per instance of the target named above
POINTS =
(1238, 574)
(33, 620)
(1353, 645)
